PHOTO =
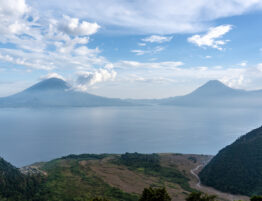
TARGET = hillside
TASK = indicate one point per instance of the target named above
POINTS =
(238, 167)
(116, 177)
(16, 186)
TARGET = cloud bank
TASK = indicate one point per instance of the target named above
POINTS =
(150, 16)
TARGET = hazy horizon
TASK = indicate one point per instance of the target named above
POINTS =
(131, 49)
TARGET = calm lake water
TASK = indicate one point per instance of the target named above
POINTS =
(31, 135)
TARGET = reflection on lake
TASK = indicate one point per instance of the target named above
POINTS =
(31, 135)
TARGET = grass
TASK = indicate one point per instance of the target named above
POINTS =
(69, 180)
(149, 164)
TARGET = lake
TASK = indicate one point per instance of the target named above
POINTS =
(33, 135)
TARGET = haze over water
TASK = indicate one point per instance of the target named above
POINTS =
(33, 135)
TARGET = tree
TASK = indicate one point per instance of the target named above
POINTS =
(200, 196)
(155, 194)
(256, 198)
(100, 199)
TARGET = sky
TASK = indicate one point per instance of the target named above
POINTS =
(131, 48)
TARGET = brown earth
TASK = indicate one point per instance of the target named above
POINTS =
(134, 181)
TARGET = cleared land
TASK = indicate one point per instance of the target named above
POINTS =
(87, 176)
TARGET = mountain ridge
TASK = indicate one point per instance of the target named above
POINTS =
(55, 92)
(237, 168)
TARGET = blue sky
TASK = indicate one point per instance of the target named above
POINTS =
(131, 48)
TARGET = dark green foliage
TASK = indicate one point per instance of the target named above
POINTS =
(67, 180)
(155, 194)
(256, 198)
(199, 196)
(238, 167)
(16, 186)
(85, 156)
(99, 199)
(136, 160)
(150, 165)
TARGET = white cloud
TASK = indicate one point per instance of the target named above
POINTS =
(83, 50)
(13, 7)
(12, 57)
(259, 67)
(152, 17)
(72, 26)
(157, 39)
(12, 16)
(244, 77)
(234, 81)
(52, 75)
(86, 79)
(154, 50)
(211, 38)
(243, 63)
(139, 52)
(149, 65)
(68, 45)
(42, 42)
(142, 44)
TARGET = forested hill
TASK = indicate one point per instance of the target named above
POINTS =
(238, 167)
(16, 186)
(86, 177)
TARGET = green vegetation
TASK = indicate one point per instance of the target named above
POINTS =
(155, 194)
(238, 167)
(256, 198)
(150, 164)
(200, 196)
(100, 199)
(16, 186)
(68, 180)
(77, 178)
(86, 156)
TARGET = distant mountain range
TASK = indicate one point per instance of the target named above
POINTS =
(238, 167)
(55, 92)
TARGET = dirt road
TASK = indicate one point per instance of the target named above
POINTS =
(209, 190)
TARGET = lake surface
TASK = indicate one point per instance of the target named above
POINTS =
(31, 135)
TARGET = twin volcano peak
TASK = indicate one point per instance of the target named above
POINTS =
(49, 84)
(59, 84)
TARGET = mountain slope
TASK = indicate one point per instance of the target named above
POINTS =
(238, 167)
(112, 176)
(215, 93)
(16, 186)
(49, 84)
(55, 92)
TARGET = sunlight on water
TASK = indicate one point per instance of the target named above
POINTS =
(29, 135)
